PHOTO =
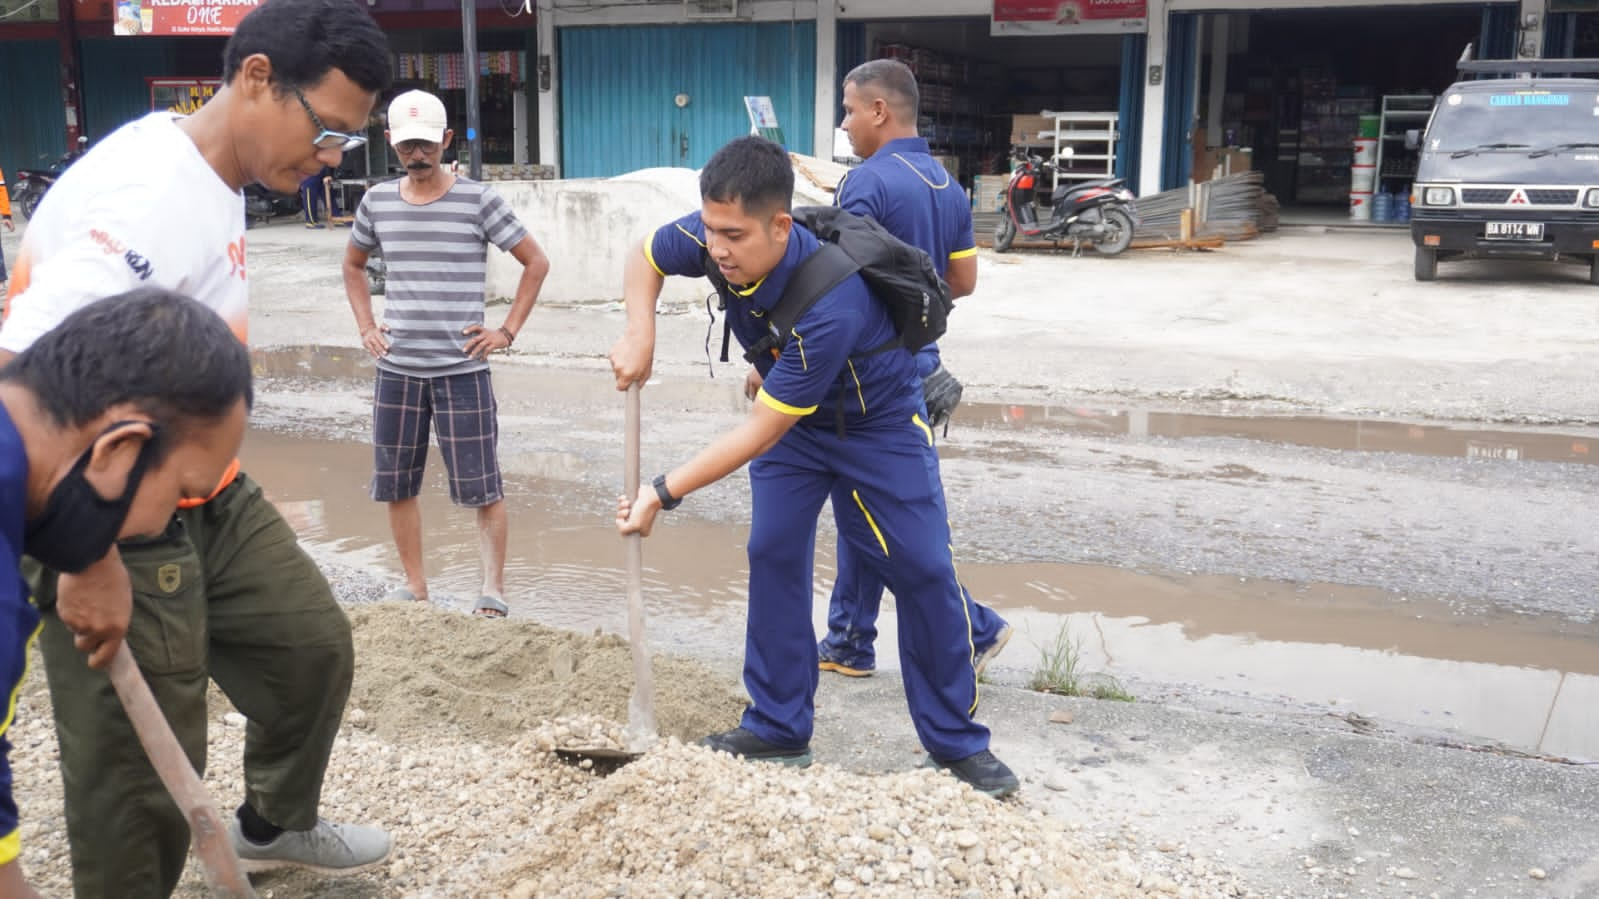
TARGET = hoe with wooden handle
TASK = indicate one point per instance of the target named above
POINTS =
(206, 827)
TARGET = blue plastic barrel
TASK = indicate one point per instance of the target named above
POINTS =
(1402, 207)
(1382, 206)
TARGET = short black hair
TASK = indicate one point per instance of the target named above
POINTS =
(174, 359)
(753, 171)
(894, 81)
(306, 39)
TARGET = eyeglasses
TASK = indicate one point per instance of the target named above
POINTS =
(327, 138)
(407, 147)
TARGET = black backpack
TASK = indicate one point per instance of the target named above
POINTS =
(898, 274)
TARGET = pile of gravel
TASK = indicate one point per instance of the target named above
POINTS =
(685, 821)
(485, 808)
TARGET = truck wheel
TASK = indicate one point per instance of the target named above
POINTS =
(1426, 264)
(1004, 234)
(1593, 270)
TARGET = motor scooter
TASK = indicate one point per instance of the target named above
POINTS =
(262, 205)
(32, 184)
(1101, 214)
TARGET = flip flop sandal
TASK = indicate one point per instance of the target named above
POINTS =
(401, 594)
(490, 607)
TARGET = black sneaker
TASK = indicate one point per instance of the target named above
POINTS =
(985, 773)
(739, 741)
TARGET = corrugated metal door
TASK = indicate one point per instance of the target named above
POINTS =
(1182, 88)
(618, 86)
(33, 131)
(114, 69)
(1130, 107)
(1500, 27)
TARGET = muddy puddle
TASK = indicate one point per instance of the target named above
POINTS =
(1529, 682)
(1352, 435)
(1579, 446)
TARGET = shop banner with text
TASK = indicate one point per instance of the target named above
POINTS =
(1020, 17)
(169, 17)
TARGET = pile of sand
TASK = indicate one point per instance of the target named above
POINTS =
(420, 669)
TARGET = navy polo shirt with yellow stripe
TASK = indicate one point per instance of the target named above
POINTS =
(19, 620)
(909, 193)
(827, 364)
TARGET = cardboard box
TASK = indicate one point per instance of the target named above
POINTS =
(1024, 129)
(985, 191)
(1212, 161)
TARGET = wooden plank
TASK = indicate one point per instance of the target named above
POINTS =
(823, 173)
(1196, 243)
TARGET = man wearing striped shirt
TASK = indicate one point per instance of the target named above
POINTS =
(433, 345)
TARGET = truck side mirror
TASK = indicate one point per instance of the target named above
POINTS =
(1413, 139)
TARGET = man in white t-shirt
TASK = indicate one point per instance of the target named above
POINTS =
(226, 593)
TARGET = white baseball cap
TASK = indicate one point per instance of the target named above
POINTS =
(416, 115)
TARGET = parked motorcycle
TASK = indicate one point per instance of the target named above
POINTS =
(262, 205)
(377, 273)
(32, 184)
(1101, 214)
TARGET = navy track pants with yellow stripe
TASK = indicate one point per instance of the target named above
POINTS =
(897, 523)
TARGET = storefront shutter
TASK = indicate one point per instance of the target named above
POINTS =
(114, 69)
(1182, 79)
(1130, 107)
(1498, 39)
(1560, 36)
(33, 133)
(618, 85)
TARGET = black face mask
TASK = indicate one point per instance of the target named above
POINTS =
(78, 526)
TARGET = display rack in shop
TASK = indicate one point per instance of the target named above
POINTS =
(1329, 117)
(952, 116)
(1396, 165)
(502, 77)
(1092, 138)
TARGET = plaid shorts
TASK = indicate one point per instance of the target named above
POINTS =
(468, 436)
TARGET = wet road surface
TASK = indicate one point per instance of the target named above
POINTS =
(1416, 573)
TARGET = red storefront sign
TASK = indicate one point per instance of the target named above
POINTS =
(173, 17)
(1069, 16)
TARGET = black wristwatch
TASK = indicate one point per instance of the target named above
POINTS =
(668, 503)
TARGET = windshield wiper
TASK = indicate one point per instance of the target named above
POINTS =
(1472, 151)
(1550, 151)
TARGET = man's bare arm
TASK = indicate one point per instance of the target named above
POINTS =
(360, 296)
(961, 276)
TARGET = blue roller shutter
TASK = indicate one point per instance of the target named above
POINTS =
(1130, 109)
(33, 131)
(1182, 77)
(618, 86)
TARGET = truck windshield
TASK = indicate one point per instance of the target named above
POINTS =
(1520, 118)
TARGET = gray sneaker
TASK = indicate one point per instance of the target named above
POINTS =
(993, 649)
(326, 849)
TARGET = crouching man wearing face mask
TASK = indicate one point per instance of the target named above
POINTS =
(130, 405)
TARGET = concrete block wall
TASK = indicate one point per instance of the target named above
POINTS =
(587, 226)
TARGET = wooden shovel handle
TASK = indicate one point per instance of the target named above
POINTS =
(641, 702)
(206, 827)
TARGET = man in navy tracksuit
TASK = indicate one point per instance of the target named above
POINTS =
(909, 193)
(881, 458)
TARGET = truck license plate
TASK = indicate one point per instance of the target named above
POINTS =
(1515, 230)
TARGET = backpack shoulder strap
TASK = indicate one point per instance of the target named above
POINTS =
(813, 279)
(714, 275)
